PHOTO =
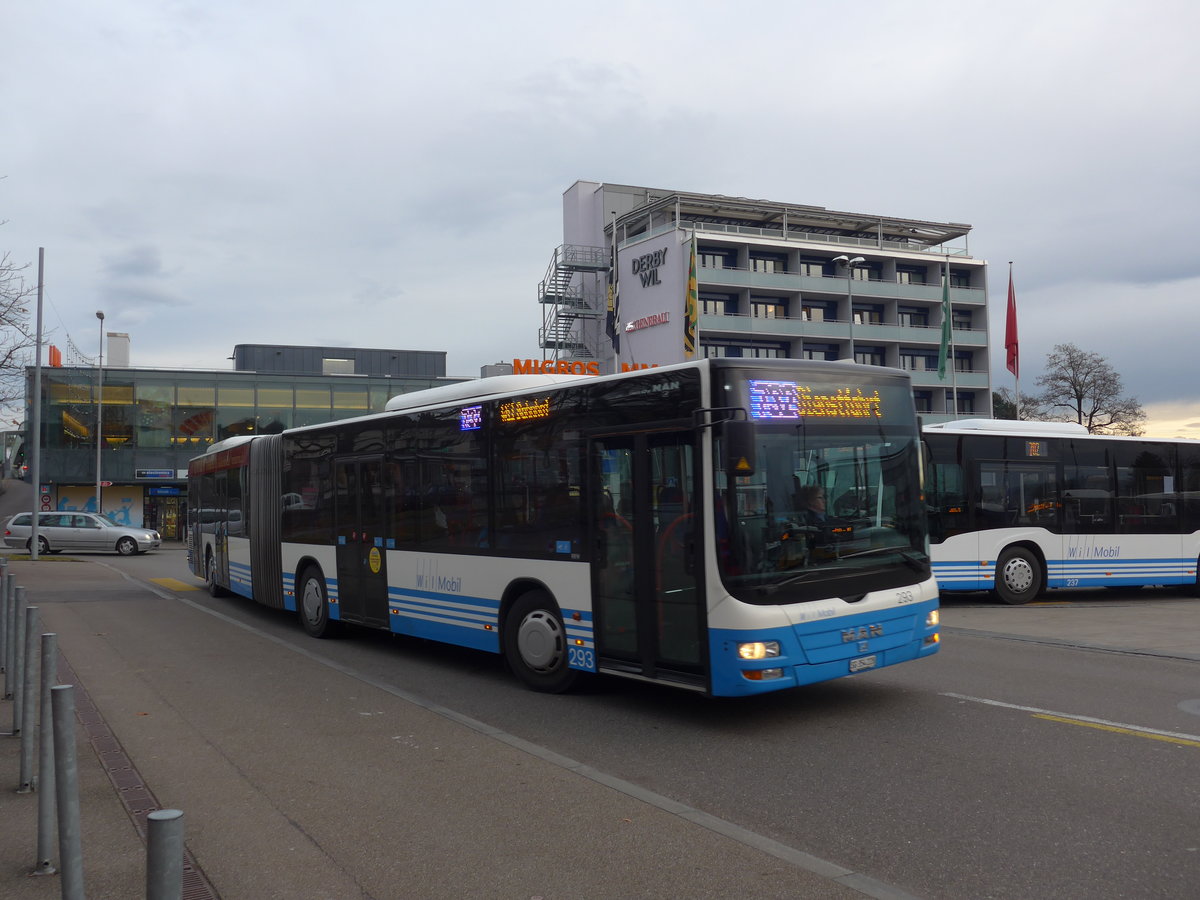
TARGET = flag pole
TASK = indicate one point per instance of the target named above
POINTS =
(691, 329)
(1011, 345)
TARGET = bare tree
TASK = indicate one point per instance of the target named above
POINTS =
(16, 337)
(1080, 386)
(1003, 406)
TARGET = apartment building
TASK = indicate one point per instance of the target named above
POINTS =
(773, 280)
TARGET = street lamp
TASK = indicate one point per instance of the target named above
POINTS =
(851, 265)
(99, 407)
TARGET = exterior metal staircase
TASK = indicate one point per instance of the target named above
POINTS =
(569, 299)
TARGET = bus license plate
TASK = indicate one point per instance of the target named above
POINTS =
(864, 662)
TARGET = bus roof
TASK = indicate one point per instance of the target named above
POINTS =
(1009, 426)
(484, 387)
(515, 385)
(226, 443)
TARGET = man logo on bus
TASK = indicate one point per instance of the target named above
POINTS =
(849, 635)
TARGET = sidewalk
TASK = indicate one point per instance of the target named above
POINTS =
(1141, 622)
(298, 781)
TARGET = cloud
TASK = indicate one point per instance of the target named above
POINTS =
(390, 175)
(135, 262)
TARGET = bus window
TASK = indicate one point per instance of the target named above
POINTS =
(945, 501)
(1018, 494)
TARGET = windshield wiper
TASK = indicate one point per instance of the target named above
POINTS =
(799, 576)
(911, 559)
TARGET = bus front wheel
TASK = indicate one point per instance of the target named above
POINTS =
(1019, 576)
(535, 644)
(313, 608)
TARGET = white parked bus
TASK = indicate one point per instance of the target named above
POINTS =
(1019, 507)
(645, 525)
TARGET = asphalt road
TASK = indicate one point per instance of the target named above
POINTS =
(1009, 765)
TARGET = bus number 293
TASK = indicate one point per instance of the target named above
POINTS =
(582, 658)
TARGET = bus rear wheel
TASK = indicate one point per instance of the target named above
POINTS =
(535, 644)
(312, 606)
(1019, 576)
(210, 577)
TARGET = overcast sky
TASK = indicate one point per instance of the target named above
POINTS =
(376, 173)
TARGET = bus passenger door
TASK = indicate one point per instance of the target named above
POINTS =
(1023, 495)
(646, 536)
(360, 531)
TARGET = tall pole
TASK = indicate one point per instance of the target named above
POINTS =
(1016, 369)
(953, 361)
(35, 416)
(850, 265)
(99, 409)
(850, 302)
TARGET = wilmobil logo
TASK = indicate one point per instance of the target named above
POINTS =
(555, 367)
(428, 578)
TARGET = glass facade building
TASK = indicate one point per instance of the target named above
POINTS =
(155, 420)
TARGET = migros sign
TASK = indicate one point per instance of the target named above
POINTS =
(555, 367)
(565, 367)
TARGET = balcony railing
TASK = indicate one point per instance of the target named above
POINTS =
(796, 235)
(739, 277)
(797, 326)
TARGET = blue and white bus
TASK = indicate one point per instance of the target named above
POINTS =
(1020, 507)
(645, 525)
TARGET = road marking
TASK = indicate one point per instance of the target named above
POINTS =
(1149, 735)
(174, 584)
(1175, 737)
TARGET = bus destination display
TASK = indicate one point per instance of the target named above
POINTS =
(470, 418)
(790, 400)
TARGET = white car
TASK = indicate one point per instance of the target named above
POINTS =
(79, 531)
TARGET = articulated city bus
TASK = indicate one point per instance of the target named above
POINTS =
(1019, 507)
(646, 525)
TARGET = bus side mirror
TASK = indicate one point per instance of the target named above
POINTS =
(737, 439)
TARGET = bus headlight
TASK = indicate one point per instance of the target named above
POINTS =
(934, 618)
(758, 650)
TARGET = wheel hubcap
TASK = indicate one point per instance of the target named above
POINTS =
(312, 602)
(540, 641)
(1018, 575)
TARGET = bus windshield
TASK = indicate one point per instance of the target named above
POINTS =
(835, 493)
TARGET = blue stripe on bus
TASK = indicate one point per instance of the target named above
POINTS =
(467, 621)
(452, 618)
(289, 592)
(1079, 572)
(241, 581)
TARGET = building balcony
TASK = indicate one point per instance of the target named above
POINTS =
(831, 330)
(832, 285)
(963, 381)
(799, 234)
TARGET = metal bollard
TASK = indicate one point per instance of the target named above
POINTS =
(47, 796)
(164, 855)
(29, 683)
(66, 775)
(9, 633)
(18, 657)
(4, 616)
